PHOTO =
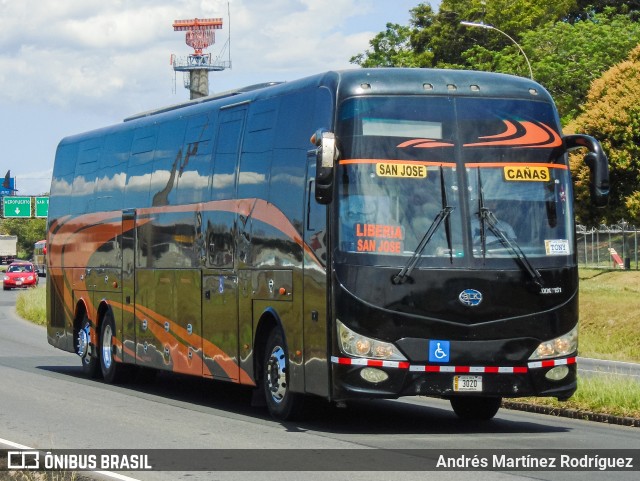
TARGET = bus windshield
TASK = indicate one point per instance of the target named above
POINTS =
(454, 181)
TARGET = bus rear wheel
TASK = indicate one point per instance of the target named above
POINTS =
(281, 402)
(475, 408)
(112, 371)
(88, 356)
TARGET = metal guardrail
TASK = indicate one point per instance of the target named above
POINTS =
(608, 247)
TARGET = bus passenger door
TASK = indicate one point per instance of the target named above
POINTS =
(315, 289)
(220, 335)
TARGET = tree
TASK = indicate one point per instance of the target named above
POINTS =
(29, 231)
(566, 57)
(568, 42)
(438, 40)
(585, 8)
(612, 115)
(390, 48)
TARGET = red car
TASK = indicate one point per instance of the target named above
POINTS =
(20, 274)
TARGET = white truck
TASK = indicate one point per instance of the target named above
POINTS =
(8, 248)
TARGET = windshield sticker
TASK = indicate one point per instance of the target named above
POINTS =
(526, 173)
(521, 134)
(381, 238)
(401, 170)
(557, 247)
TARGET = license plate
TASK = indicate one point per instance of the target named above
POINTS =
(18, 283)
(467, 383)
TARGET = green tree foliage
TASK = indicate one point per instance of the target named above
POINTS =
(566, 57)
(390, 48)
(437, 40)
(586, 8)
(612, 114)
(29, 231)
(568, 42)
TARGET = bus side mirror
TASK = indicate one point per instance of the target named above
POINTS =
(598, 164)
(326, 155)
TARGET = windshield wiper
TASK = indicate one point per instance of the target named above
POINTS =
(443, 215)
(481, 208)
(447, 219)
(489, 218)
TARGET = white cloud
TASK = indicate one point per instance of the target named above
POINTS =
(68, 66)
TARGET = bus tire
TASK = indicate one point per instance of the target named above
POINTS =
(281, 402)
(113, 372)
(91, 367)
(90, 362)
(475, 408)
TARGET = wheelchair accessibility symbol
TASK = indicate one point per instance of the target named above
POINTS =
(439, 351)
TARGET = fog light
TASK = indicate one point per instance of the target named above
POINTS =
(557, 373)
(373, 375)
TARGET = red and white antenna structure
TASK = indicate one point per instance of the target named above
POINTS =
(199, 34)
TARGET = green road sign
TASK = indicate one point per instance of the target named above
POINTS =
(16, 207)
(42, 206)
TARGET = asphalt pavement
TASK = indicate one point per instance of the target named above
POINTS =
(589, 367)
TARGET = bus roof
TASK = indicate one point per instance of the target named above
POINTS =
(385, 81)
(359, 82)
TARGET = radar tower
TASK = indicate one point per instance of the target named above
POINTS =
(196, 67)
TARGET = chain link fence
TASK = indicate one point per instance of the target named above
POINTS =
(608, 247)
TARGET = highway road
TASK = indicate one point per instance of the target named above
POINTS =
(46, 403)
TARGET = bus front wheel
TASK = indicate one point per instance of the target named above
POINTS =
(475, 408)
(281, 402)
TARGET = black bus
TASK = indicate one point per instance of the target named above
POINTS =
(372, 233)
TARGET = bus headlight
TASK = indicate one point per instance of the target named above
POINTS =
(354, 344)
(560, 346)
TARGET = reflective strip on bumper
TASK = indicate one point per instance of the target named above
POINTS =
(472, 369)
(453, 369)
(369, 362)
(552, 363)
(431, 369)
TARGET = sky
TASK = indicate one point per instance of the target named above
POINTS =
(69, 66)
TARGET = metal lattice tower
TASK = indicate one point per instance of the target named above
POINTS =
(196, 67)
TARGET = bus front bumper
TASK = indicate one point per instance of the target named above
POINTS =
(361, 378)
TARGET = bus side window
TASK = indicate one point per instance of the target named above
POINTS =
(223, 182)
(86, 174)
(257, 151)
(192, 179)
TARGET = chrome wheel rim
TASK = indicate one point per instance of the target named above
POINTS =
(107, 346)
(277, 374)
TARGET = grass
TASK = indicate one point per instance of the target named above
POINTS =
(618, 396)
(41, 476)
(609, 307)
(31, 305)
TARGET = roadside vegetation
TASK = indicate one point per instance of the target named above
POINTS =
(609, 319)
(609, 307)
(616, 396)
(31, 305)
(44, 476)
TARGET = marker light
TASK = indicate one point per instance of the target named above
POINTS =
(560, 346)
(354, 344)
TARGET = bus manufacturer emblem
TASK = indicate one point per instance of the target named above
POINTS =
(470, 297)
